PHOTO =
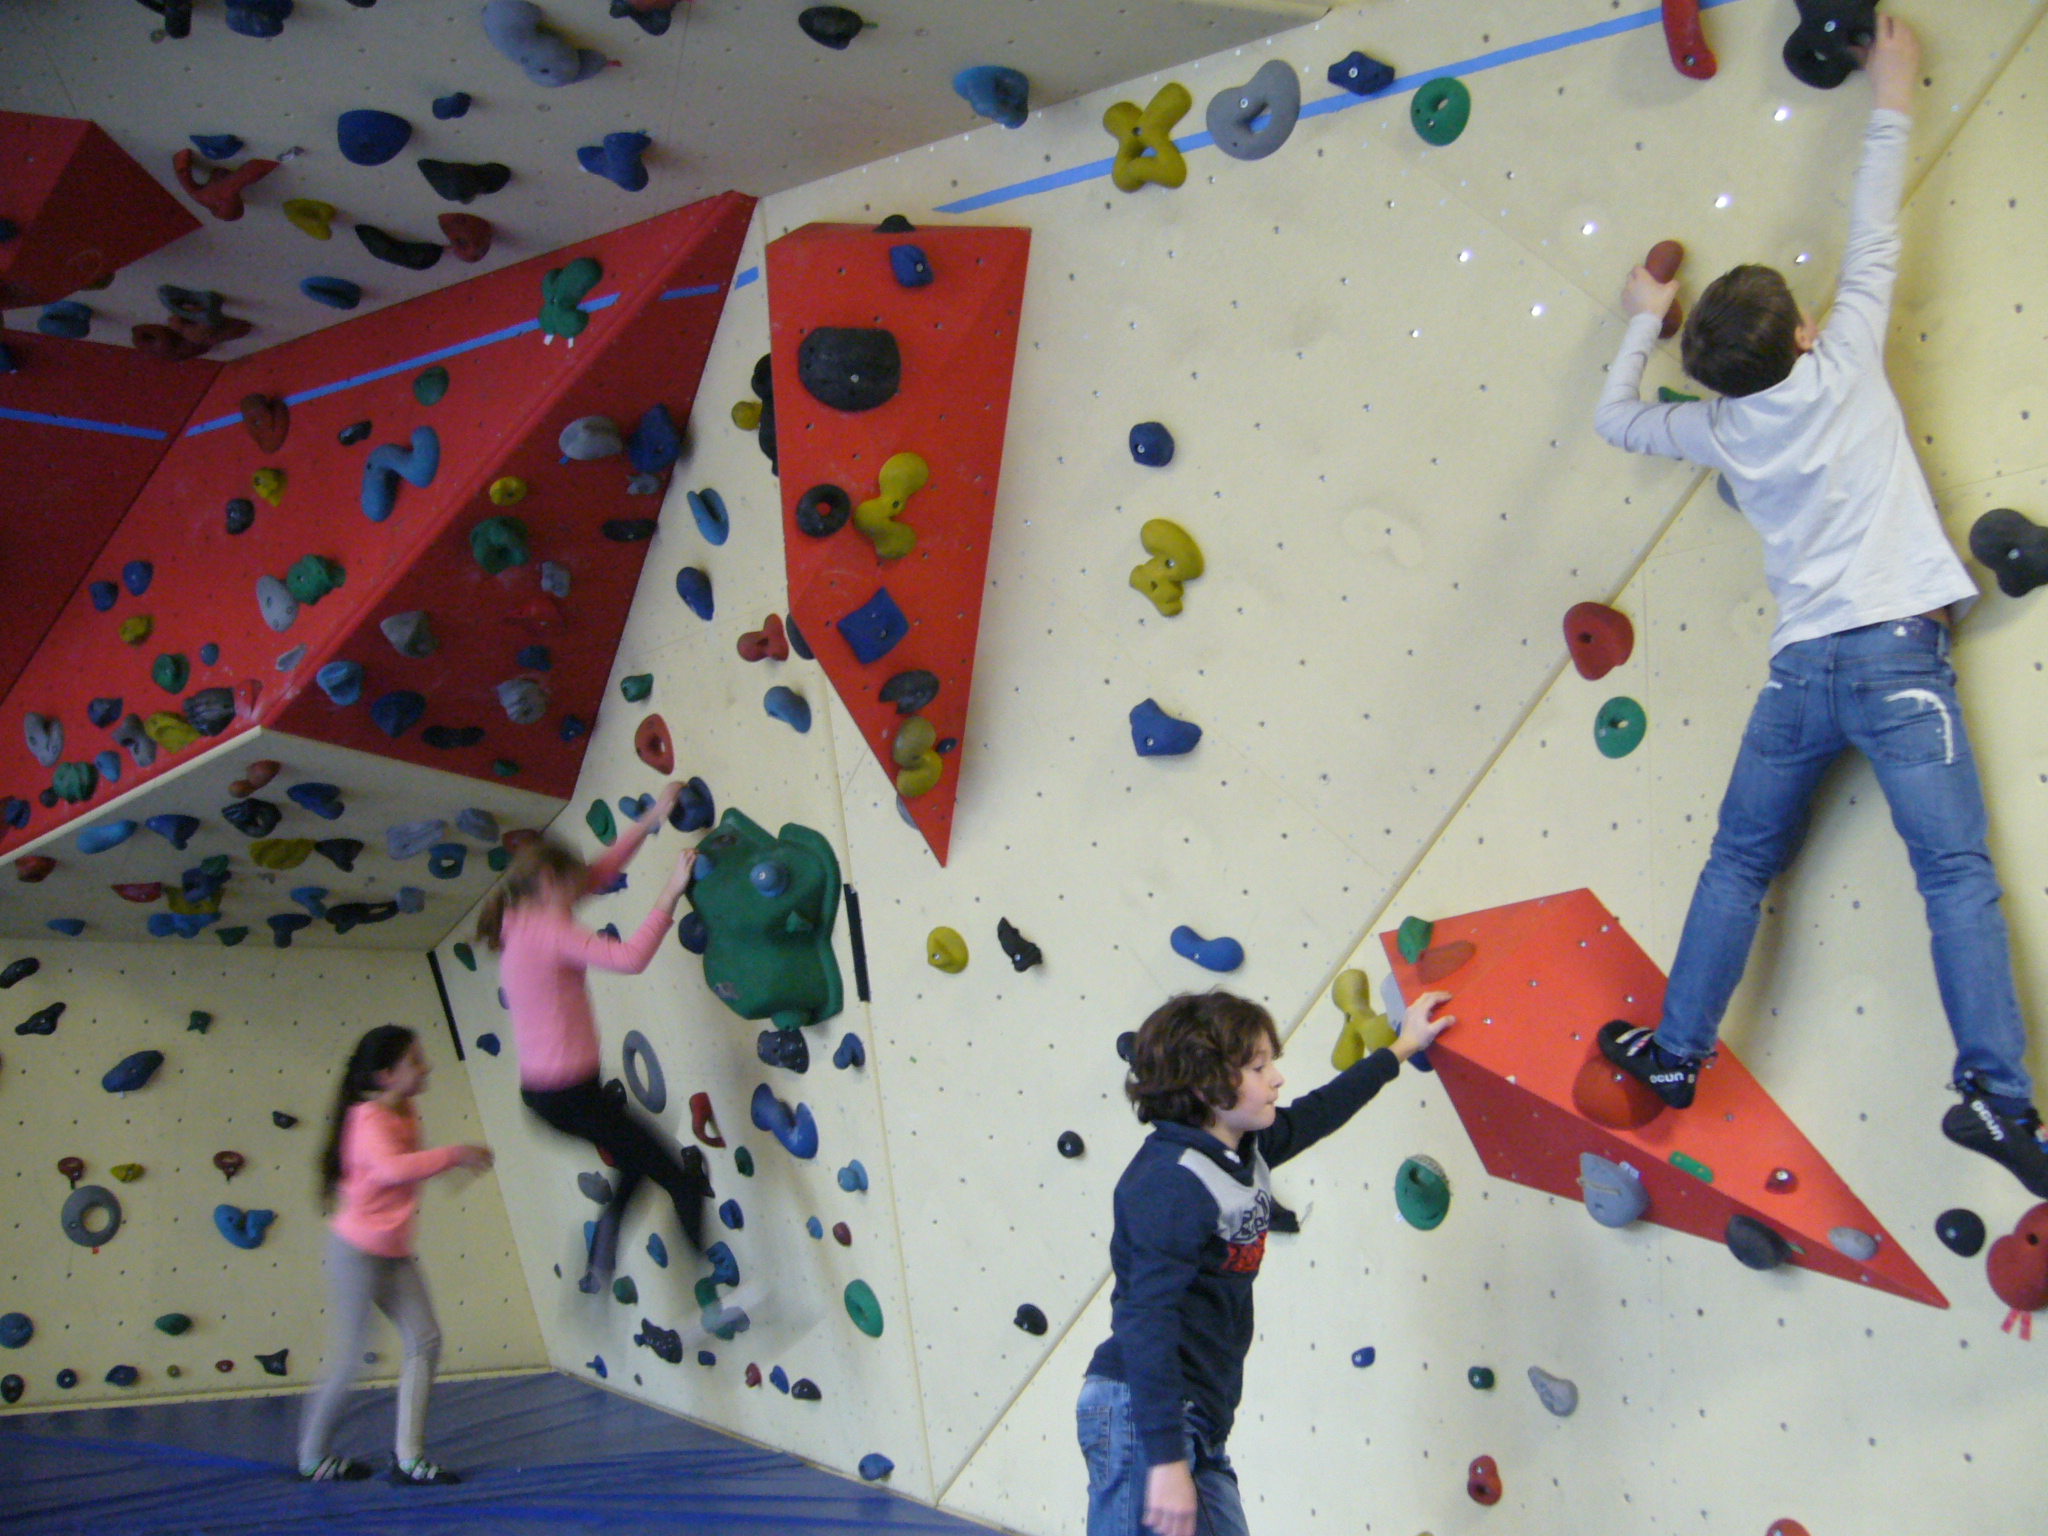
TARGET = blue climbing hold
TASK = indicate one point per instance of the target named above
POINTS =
(910, 266)
(70, 927)
(108, 763)
(725, 1269)
(595, 1365)
(180, 925)
(104, 595)
(16, 1329)
(657, 1250)
(853, 1178)
(795, 1129)
(996, 92)
(258, 18)
(770, 877)
(67, 318)
(875, 628)
(1155, 733)
(779, 1379)
(693, 933)
(108, 834)
(693, 586)
(694, 808)
(103, 712)
(705, 1357)
(708, 508)
(875, 1466)
(445, 860)
(334, 292)
(174, 829)
(788, 706)
(572, 726)
(518, 30)
(341, 681)
(209, 653)
(1364, 1357)
(368, 136)
(731, 1214)
(132, 1072)
(617, 160)
(1210, 954)
(312, 897)
(136, 576)
(1152, 444)
(488, 1044)
(654, 443)
(388, 463)
(284, 924)
(323, 800)
(217, 146)
(398, 712)
(815, 1227)
(534, 658)
(851, 1052)
(244, 1229)
(1361, 74)
(454, 104)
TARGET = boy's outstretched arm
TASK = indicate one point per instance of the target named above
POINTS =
(1870, 259)
(1314, 1115)
(1674, 431)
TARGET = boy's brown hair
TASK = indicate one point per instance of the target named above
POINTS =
(532, 864)
(1185, 1060)
(1743, 334)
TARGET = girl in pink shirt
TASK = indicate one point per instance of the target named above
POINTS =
(370, 1173)
(543, 954)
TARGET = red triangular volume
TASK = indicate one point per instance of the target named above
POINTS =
(1545, 976)
(956, 337)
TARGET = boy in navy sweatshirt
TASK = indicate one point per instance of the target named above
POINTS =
(1192, 1211)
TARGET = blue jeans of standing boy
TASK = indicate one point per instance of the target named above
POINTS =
(1887, 690)
(1117, 1470)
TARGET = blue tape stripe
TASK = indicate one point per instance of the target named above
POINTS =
(751, 275)
(423, 360)
(1401, 86)
(82, 424)
(698, 292)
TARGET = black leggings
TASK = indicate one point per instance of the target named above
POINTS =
(582, 1110)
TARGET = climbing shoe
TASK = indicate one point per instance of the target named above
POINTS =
(421, 1473)
(1635, 1051)
(2013, 1140)
(604, 1253)
(337, 1469)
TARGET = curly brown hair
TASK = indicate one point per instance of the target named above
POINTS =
(1742, 335)
(1185, 1060)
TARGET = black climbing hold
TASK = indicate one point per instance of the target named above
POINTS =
(123, 1376)
(895, 224)
(19, 970)
(1030, 1319)
(42, 1022)
(805, 1390)
(2012, 549)
(1961, 1231)
(1126, 1043)
(1071, 1144)
(946, 746)
(339, 851)
(666, 1343)
(352, 914)
(11, 1388)
(823, 510)
(103, 712)
(274, 1364)
(614, 1092)
(910, 691)
(1756, 1244)
(449, 737)
(629, 530)
(833, 25)
(1821, 50)
(210, 711)
(784, 1048)
(283, 1121)
(352, 434)
(47, 799)
(762, 380)
(797, 642)
(418, 255)
(1022, 952)
(67, 1378)
(251, 818)
(240, 514)
(849, 368)
(459, 181)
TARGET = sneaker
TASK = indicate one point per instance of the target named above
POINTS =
(1635, 1051)
(2013, 1140)
(421, 1474)
(337, 1469)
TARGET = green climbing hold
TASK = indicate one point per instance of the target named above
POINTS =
(313, 577)
(1440, 109)
(862, 1307)
(170, 672)
(1414, 937)
(768, 905)
(1618, 728)
(635, 689)
(231, 936)
(599, 819)
(743, 1160)
(173, 1323)
(466, 955)
(198, 1022)
(75, 781)
(1669, 396)
(1422, 1193)
(504, 767)
(624, 1291)
(1693, 1166)
(498, 543)
(498, 858)
(561, 291)
(1481, 1378)
(430, 386)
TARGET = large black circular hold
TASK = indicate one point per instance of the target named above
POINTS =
(910, 691)
(1030, 1319)
(823, 510)
(763, 381)
(833, 25)
(850, 368)
(1071, 1145)
(1755, 1244)
(1961, 1231)
(895, 224)
(85, 1199)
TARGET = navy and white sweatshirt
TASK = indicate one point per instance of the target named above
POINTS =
(1191, 1219)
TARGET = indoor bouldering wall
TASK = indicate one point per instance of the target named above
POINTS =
(252, 1045)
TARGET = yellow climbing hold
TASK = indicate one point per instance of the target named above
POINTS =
(269, 484)
(127, 1173)
(1365, 1030)
(902, 476)
(281, 852)
(1144, 139)
(135, 628)
(310, 216)
(171, 732)
(507, 491)
(1175, 559)
(946, 951)
(746, 414)
(916, 755)
(176, 901)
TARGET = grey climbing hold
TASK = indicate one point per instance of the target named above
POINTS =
(1555, 1393)
(519, 30)
(479, 824)
(90, 1200)
(590, 437)
(1854, 1243)
(1271, 99)
(45, 738)
(409, 839)
(523, 699)
(409, 634)
(280, 609)
(1614, 1192)
(643, 1073)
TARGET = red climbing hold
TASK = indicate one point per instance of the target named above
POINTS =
(2017, 1267)
(1441, 960)
(1787, 1527)
(140, 892)
(469, 237)
(703, 1126)
(33, 868)
(842, 1234)
(768, 643)
(753, 1374)
(651, 744)
(1690, 54)
(1482, 1480)
(229, 1163)
(1599, 638)
(268, 419)
(1664, 260)
(221, 193)
(1612, 1098)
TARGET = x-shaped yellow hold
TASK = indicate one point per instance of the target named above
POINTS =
(1144, 139)
(1365, 1030)
(902, 477)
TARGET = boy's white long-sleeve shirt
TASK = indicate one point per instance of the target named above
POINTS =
(1820, 463)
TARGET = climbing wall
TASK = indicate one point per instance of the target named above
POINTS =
(279, 1031)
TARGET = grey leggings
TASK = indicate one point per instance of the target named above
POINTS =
(356, 1282)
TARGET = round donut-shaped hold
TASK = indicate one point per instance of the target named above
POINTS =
(653, 745)
(1440, 109)
(823, 510)
(86, 1201)
(643, 1073)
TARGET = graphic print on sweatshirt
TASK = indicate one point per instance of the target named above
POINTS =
(1243, 1210)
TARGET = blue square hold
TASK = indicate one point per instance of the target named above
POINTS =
(874, 628)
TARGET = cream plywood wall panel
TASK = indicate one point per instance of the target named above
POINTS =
(283, 1025)
(1969, 338)
(792, 1284)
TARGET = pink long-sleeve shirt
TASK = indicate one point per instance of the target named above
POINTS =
(541, 964)
(382, 1169)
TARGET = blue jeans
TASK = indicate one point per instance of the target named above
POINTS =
(1887, 690)
(1117, 1469)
